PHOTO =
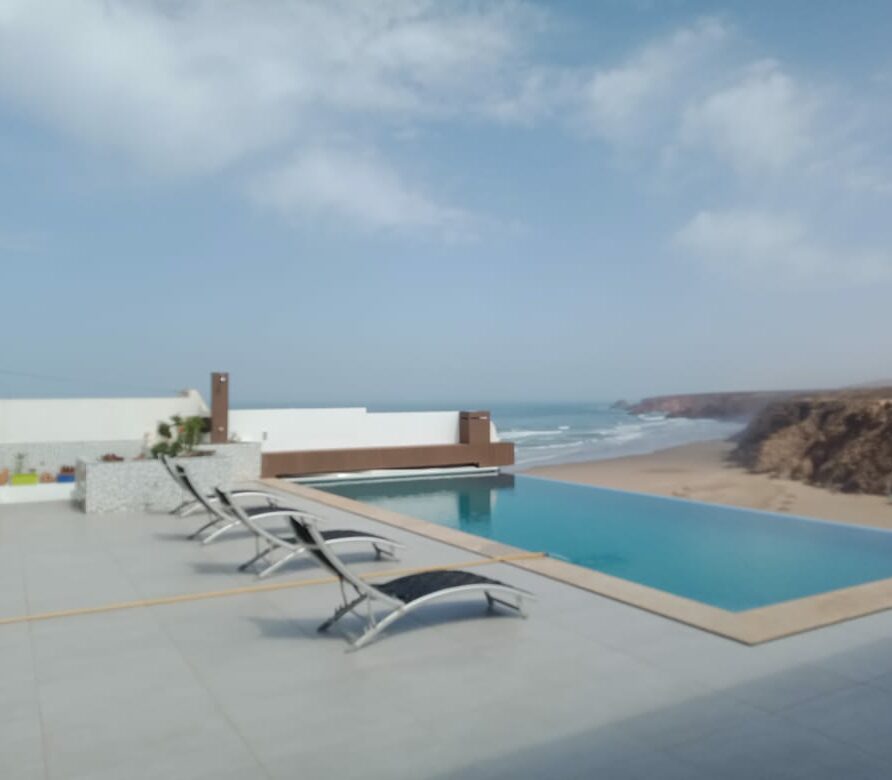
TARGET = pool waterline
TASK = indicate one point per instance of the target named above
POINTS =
(729, 558)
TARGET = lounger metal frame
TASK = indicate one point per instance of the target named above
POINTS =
(188, 486)
(291, 548)
(220, 521)
(366, 593)
(188, 505)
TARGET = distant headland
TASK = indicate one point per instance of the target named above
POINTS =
(837, 439)
(713, 406)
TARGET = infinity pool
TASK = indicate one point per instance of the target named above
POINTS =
(735, 559)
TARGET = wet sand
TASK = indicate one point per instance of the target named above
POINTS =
(701, 472)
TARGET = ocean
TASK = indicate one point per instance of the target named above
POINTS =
(547, 433)
(551, 433)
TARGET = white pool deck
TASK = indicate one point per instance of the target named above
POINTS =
(243, 687)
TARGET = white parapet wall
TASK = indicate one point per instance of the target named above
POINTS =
(43, 435)
(45, 420)
(104, 422)
(282, 430)
(32, 494)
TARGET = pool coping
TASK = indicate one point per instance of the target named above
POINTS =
(750, 627)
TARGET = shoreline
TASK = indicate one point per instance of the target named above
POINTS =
(701, 472)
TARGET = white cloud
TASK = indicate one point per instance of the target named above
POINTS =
(261, 87)
(770, 248)
(537, 93)
(873, 180)
(200, 85)
(150, 82)
(695, 100)
(623, 103)
(190, 88)
(763, 121)
(357, 187)
(17, 242)
(705, 119)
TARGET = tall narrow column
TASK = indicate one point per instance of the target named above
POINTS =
(473, 427)
(219, 407)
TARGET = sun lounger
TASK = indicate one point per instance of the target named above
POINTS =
(220, 519)
(288, 544)
(403, 594)
(192, 503)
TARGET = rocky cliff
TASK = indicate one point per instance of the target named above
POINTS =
(840, 440)
(713, 406)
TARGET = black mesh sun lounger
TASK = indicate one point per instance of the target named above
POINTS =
(402, 594)
(289, 545)
(192, 502)
(220, 520)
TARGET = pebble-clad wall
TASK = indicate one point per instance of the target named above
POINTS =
(145, 485)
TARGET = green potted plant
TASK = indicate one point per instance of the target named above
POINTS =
(179, 437)
(19, 475)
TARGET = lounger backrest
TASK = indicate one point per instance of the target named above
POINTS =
(193, 489)
(227, 501)
(308, 535)
(171, 467)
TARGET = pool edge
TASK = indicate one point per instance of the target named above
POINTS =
(751, 627)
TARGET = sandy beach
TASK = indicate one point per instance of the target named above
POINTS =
(701, 472)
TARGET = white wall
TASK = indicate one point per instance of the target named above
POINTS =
(281, 430)
(37, 421)
(91, 419)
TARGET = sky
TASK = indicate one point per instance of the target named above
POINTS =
(345, 201)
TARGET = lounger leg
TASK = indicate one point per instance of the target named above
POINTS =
(384, 549)
(376, 628)
(221, 530)
(519, 607)
(260, 555)
(200, 531)
(340, 612)
(188, 508)
(279, 563)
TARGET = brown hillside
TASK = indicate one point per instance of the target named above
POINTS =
(841, 440)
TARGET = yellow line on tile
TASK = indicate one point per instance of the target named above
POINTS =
(264, 588)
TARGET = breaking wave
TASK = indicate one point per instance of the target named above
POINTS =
(561, 433)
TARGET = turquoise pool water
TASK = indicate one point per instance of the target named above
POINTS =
(730, 558)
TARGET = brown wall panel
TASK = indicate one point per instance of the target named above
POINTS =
(473, 427)
(302, 462)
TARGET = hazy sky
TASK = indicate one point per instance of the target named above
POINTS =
(403, 200)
